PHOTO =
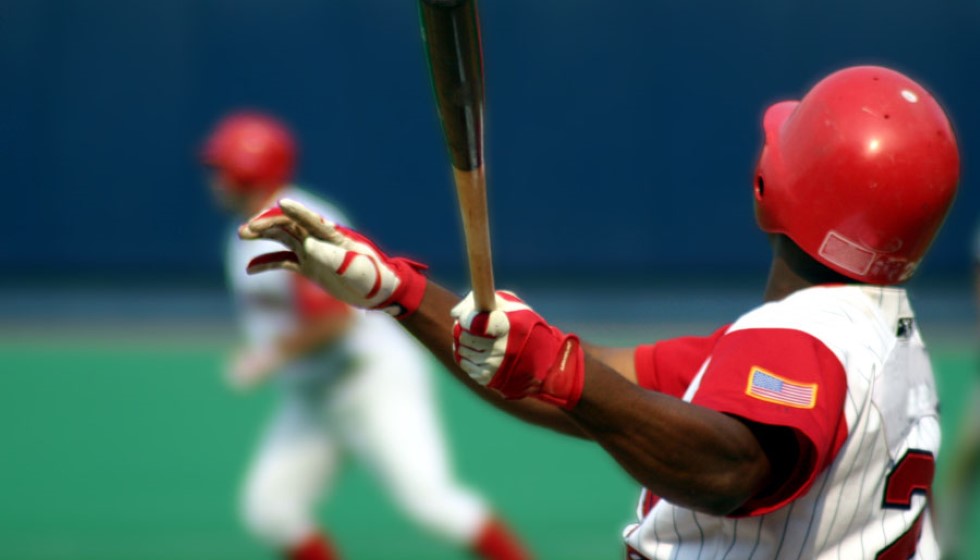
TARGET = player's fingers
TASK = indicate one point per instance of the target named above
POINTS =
(275, 233)
(475, 342)
(463, 308)
(480, 373)
(279, 260)
(245, 233)
(257, 227)
(475, 355)
(312, 222)
(331, 256)
(284, 236)
(269, 217)
(467, 316)
(493, 325)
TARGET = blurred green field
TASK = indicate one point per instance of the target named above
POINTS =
(133, 450)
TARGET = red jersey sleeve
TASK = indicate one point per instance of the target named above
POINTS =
(669, 365)
(780, 377)
(312, 302)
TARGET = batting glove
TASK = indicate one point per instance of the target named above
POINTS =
(513, 351)
(345, 263)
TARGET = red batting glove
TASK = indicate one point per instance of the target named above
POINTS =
(343, 262)
(513, 351)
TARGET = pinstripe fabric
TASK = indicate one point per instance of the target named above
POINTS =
(890, 409)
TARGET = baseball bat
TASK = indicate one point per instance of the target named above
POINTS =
(451, 33)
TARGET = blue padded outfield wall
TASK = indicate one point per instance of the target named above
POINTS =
(621, 133)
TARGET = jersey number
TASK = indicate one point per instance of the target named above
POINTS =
(911, 475)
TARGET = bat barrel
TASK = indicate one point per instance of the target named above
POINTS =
(451, 31)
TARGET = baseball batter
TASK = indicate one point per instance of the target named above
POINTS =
(351, 382)
(806, 428)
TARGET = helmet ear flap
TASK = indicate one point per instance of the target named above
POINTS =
(761, 195)
(759, 185)
(768, 171)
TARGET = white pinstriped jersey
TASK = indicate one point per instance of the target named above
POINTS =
(845, 367)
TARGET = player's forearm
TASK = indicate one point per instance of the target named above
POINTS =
(692, 456)
(432, 325)
(313, 335)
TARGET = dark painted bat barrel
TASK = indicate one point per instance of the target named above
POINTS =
(451, 32)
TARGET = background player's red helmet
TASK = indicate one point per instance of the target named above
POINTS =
(251, 151)
(860, 173)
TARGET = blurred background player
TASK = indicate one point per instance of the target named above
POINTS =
(964, 462)
(350, 382)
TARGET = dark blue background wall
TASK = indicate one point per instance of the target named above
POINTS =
(618, 132)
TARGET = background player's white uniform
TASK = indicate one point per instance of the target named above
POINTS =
(369, 394)
(843, 366)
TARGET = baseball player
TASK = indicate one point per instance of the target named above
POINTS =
(806, 428)
(351, 382)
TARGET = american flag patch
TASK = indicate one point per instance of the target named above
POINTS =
(767, 386)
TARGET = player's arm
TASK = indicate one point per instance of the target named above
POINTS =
(312, 335)
(620, 360)
(321, 321)
(691, 455)
(353, 270)
(251, 366)
(511, 357)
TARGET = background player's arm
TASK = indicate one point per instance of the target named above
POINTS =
(313, 334)
(251, 366)
(322, 320)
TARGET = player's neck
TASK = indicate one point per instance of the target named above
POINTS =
(793, 270)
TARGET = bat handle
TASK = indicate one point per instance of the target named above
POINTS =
(472, 193)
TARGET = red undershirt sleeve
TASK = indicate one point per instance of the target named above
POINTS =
(669, 365)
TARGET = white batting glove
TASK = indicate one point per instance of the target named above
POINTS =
(513, 351)
(343, 262)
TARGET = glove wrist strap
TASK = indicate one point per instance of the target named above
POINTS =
(407, 298)
(565, 380)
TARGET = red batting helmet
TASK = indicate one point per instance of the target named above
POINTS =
(860, 173)
(251, 151)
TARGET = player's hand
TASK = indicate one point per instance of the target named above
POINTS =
(513, 351)
(345, 263)
(249, 368)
